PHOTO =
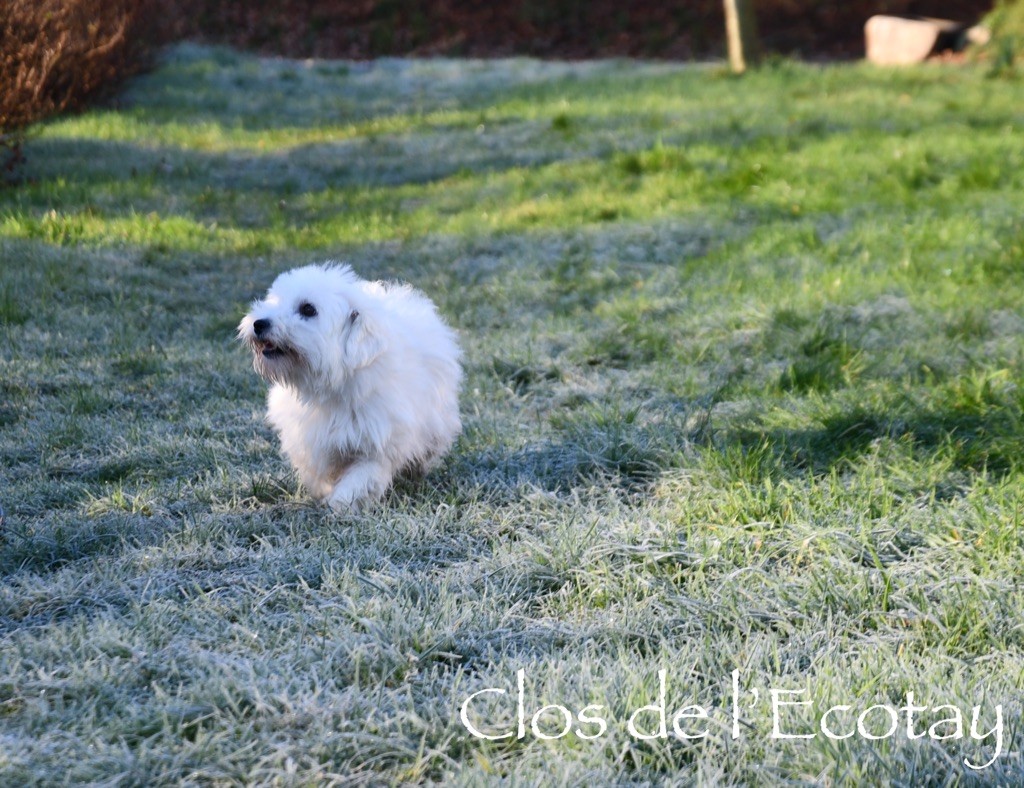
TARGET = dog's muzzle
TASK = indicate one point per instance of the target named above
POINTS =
(261, 330)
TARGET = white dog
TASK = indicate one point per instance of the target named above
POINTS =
(365, 379)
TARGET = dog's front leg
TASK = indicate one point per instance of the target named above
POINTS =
(364, 480)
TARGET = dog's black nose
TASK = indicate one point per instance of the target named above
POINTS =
(260, 327)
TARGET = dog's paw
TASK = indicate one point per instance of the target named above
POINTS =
(344, 505)
(363, 483)
(346, 499)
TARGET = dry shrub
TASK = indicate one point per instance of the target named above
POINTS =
(55, 54)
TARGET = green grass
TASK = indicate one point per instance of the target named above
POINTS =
(745, 390)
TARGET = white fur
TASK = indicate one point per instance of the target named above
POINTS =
(364, 390)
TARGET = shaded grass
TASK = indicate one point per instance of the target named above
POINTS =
(743, 392)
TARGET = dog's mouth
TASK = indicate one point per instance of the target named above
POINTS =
(268, 349)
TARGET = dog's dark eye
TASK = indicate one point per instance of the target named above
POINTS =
(306, 309)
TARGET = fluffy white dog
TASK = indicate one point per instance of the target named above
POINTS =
(365, 380)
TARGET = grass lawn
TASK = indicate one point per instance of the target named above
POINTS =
(745, 392)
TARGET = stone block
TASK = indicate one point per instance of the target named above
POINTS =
(900, 40)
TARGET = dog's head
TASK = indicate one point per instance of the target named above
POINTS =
(313, 329)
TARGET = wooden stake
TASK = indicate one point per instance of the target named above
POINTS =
(741, 35)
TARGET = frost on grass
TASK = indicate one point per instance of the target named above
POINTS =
(743, 391)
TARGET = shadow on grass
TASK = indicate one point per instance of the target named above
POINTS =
(309, 182)
(970, 425)
(979, 431)
(356, 162)
(310, 196)
(615, 448)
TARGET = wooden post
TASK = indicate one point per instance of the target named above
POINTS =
(741, 34)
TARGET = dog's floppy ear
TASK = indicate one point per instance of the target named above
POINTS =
(363, 341)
